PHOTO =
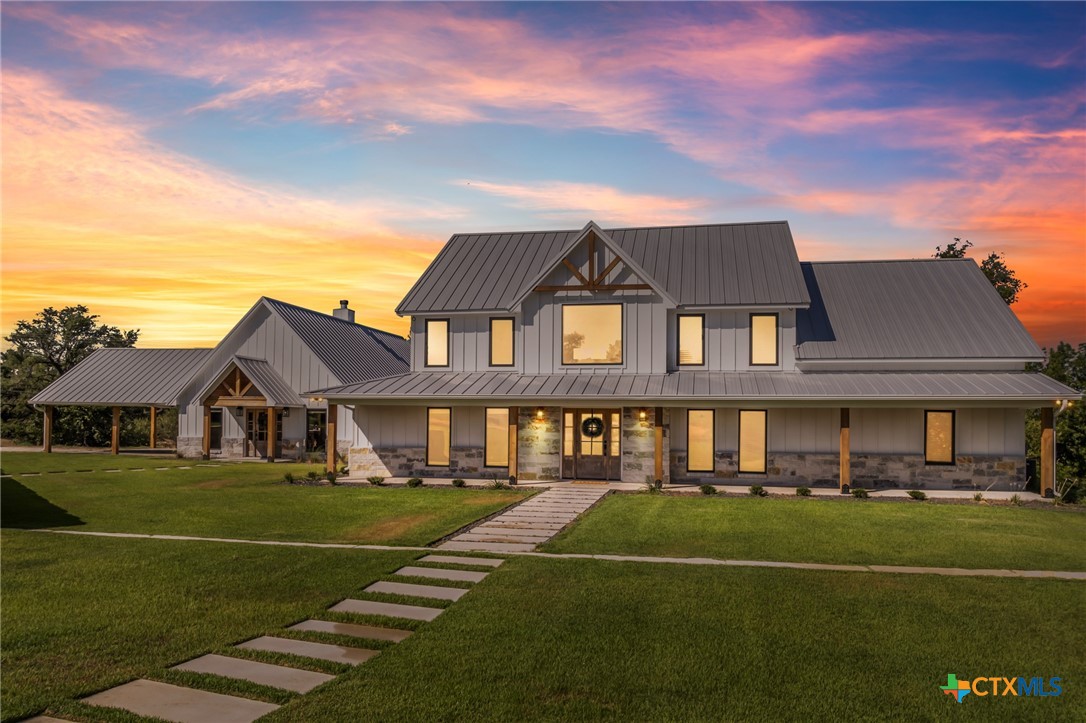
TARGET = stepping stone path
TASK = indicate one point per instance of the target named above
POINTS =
(529, 524)
(190, 705)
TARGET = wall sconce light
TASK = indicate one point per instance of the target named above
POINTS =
(643, 414)
(539, 414)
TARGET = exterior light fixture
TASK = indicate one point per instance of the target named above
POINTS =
(643, 415)
(539, 413)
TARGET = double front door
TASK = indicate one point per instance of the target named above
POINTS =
(256, 433)
(591, 444)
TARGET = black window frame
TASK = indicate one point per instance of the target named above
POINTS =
(486, 447)
(450, 462)
(750, 338)
(689, 469)
(679, 343)
(562, 333)
(739, 439)
(953, 437)
(426, 344)
(513, 341)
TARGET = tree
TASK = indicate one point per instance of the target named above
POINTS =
(1067, 364)
(994, 266)
(41, 350)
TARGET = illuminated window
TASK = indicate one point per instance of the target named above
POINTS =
(497, 437)
(501, 342)
(616, 433)
(592, 334)
(939, 437)
(752, 436)
(438, 437)
(691, 339)
(763, 340)
(437, 342)
(700, 440)
(567, 435)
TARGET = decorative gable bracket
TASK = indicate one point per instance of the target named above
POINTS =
(594, 281)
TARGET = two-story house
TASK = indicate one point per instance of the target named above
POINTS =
(701, 353)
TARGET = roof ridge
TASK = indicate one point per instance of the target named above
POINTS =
(884, 261)
(617, 228)
(329, 316)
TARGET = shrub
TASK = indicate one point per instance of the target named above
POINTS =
(414, 482)
(458, 482)
(978, 497)
(653, 487)
(330, 476)
(1016, 499)
(312, 475)
(758, 491)
(917, 494)
(498, 485)
(708, 490)
(376, 480)
(860, 493)
(288, 478)
(803, 491)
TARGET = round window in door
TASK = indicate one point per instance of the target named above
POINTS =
(592, 427)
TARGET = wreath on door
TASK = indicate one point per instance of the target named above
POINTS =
(592, 427)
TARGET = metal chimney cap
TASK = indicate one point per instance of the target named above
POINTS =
(343, 303)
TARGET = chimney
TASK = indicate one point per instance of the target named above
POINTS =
(343, 312)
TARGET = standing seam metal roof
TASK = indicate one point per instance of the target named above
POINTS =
(125, 376)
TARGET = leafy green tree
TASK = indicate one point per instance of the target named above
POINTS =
(41, 350)
(1064, 363)
(994, 266)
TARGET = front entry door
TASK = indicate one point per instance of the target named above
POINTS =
(256, 433)
(593, 448)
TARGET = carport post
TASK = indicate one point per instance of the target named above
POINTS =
(115, 437)
(153, 425)
(330, 438)
(47, 429)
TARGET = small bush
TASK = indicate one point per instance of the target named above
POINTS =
(312, 475)
(376, 480)
(498, 485)
(708, 490)
(917, 494)
(803, 491)
(458, 482)
(978, 497)
(758, 491)
(860, 493)
(414, 482)
(1016, 499)
(653, 487)
(288, 478)
(330, 476)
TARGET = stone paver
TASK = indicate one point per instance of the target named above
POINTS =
(461, 560)
(405, 588)
(502, 538)
(369, 632)
(439, 573)
(455, 546)
(276, 676)
(304, 648)
(181, 705)
(394, 610)
(501, 530)
(45, 719)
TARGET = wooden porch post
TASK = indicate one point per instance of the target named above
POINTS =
(1048, 454)
(47, 430)
(846, 479)
(330, 438)
(154, 427)
(514, 416)
(272, 432)
(659, 424)
(207, 432)
(115, 439)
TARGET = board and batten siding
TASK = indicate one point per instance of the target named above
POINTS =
(800, 430)
(727, 340)
(401, 426)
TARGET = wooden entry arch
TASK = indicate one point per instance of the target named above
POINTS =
(238, 390)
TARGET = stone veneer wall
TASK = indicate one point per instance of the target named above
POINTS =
(411, 462)
(539, 444)
(639, 445)
(234, 448)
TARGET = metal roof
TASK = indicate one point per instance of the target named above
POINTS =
(123, 377)
(268, 382)
(352, 352)
(916, 309)
(699, 387)
(743, 264)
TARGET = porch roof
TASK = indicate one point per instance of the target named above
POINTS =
(264, 378)
(125, 377)
(699, 387)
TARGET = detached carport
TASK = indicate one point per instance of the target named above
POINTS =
(117, 378)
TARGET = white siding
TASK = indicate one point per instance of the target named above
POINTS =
(800, 430)
(398, 426)
(977, 431)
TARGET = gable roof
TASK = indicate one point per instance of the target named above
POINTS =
(266, 380)
(122, 377)
(744, 264)
(914, 309)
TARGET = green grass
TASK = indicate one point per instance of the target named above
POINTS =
(247, 501)
(833, 531)
(581, 639)
(37, 462)
(82, 614)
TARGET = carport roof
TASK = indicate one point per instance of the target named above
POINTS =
(125, 377)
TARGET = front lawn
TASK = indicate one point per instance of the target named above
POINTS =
(584, 639)
(833, 531)
(247, 501)
(82, 614)
(60, 462)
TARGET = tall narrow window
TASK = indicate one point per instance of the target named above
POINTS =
(763, 340)
(438, 437)
(752, 440)
(592, 334)
(691, 339)
(700, 440)
(616, 434)
(437, 342)
(497, 437)
(939, 437)
(567, 434)
(501, 342)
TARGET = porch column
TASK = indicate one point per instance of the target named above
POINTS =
(1048, 454)
(658, 474)
(271, 434)
(846, 479)
(207, 432)
(514, 417)
(47, 430)
(154, 427)
(115, 439)
(330, 438)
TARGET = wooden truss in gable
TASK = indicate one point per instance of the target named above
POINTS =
(593, 282)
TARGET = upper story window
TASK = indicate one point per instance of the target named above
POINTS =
(691, 333)
(437, 342)
(592, 334)
(501, 342)
(763, 340)
(939, 437)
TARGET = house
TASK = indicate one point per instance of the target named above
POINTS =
(246, 398)
(701, 354)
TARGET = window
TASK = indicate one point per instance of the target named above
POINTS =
(752, 436)
(691, 334)
(497, 437)
(437, 342)
(567, 435)
(438, 428)
(316, 424)
(592, 334)
(501, 342)
(763, 340)
(939, 437)
(700, 440)
(216, 429)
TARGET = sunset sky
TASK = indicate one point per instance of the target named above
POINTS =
(168, 164)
